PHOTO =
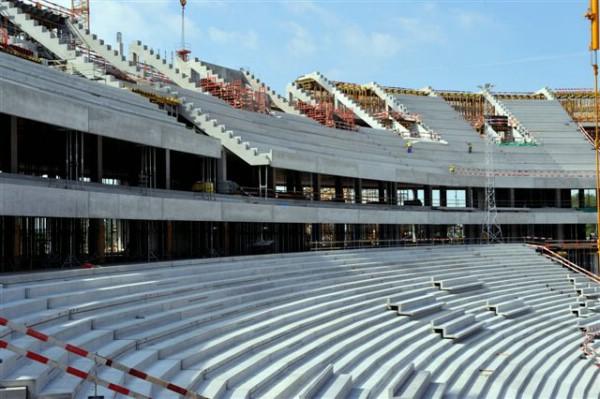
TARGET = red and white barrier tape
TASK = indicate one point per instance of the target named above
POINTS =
(589, 336)
(100, 359)
(71, 370)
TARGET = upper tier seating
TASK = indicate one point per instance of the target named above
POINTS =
(311, 324)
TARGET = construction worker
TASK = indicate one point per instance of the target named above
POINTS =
(470, 147)
(409, 147)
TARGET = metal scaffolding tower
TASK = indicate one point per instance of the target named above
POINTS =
(491, 230)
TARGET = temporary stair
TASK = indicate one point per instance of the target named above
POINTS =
(520, 132)
(348, 102)
(395, 105)
(298, 93)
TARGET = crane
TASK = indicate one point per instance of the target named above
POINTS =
(183, 53)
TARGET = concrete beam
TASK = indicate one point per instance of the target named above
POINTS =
(35, 200)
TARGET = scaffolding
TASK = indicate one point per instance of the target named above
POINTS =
(472, 106)
(80, 10)
(237, 94)
(579, 103)
(326, 114)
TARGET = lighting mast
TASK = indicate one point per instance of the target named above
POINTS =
(183, 53)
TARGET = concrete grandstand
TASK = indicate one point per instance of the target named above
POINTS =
(114, 154)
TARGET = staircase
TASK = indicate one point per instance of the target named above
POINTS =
(141, 53)
(202, 69)
(300, 94)
(345, 100)
(520, 132)
(98, 46)
(424, 130)
(75, 61)
(278, 100)
(213, 128)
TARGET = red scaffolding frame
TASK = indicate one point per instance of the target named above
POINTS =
(237, 94)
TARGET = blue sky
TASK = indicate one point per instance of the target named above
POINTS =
(517, 45)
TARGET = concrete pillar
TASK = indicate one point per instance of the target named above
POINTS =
(316, 186)
(469, 197)
(316, 232)
(340, 234)
(222, 166)
(558, 198)
(168, 170)
(356, 233)
(169, 240)
(97, 242)
(443, 197)
(381, 191)
(339, 190)
(14, 147)
(511, 197)
(560, 232)
(99, 160)
(357, 191)
(428, 195)
(289, 181)
(394, 193)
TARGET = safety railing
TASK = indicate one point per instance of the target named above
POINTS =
(550, 254)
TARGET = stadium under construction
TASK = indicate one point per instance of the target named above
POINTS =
(114, 154)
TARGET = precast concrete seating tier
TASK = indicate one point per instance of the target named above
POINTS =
(345, 324)
(41, 93)
(299, 143)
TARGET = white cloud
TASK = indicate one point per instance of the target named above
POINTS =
(371, 44)
(247, 39)
(471, 19)
(302, 43)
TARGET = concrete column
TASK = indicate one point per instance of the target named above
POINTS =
(222, 166)
(469, 197)
(14, 147)
(289, 181)
(560, 232)
(511, 197)
(339, 190)
(340, 235)
(316, 232)
(316, 186)
(428, 195)
(357, 191)
(381, 191)
(169, 240)
(97, 241)
(558, 198)
(168, 170)
(394, 193)
(443, 197)
(99, 160)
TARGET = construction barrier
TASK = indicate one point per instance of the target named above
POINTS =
(71, 370)
(589, 336)
(100, 360)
